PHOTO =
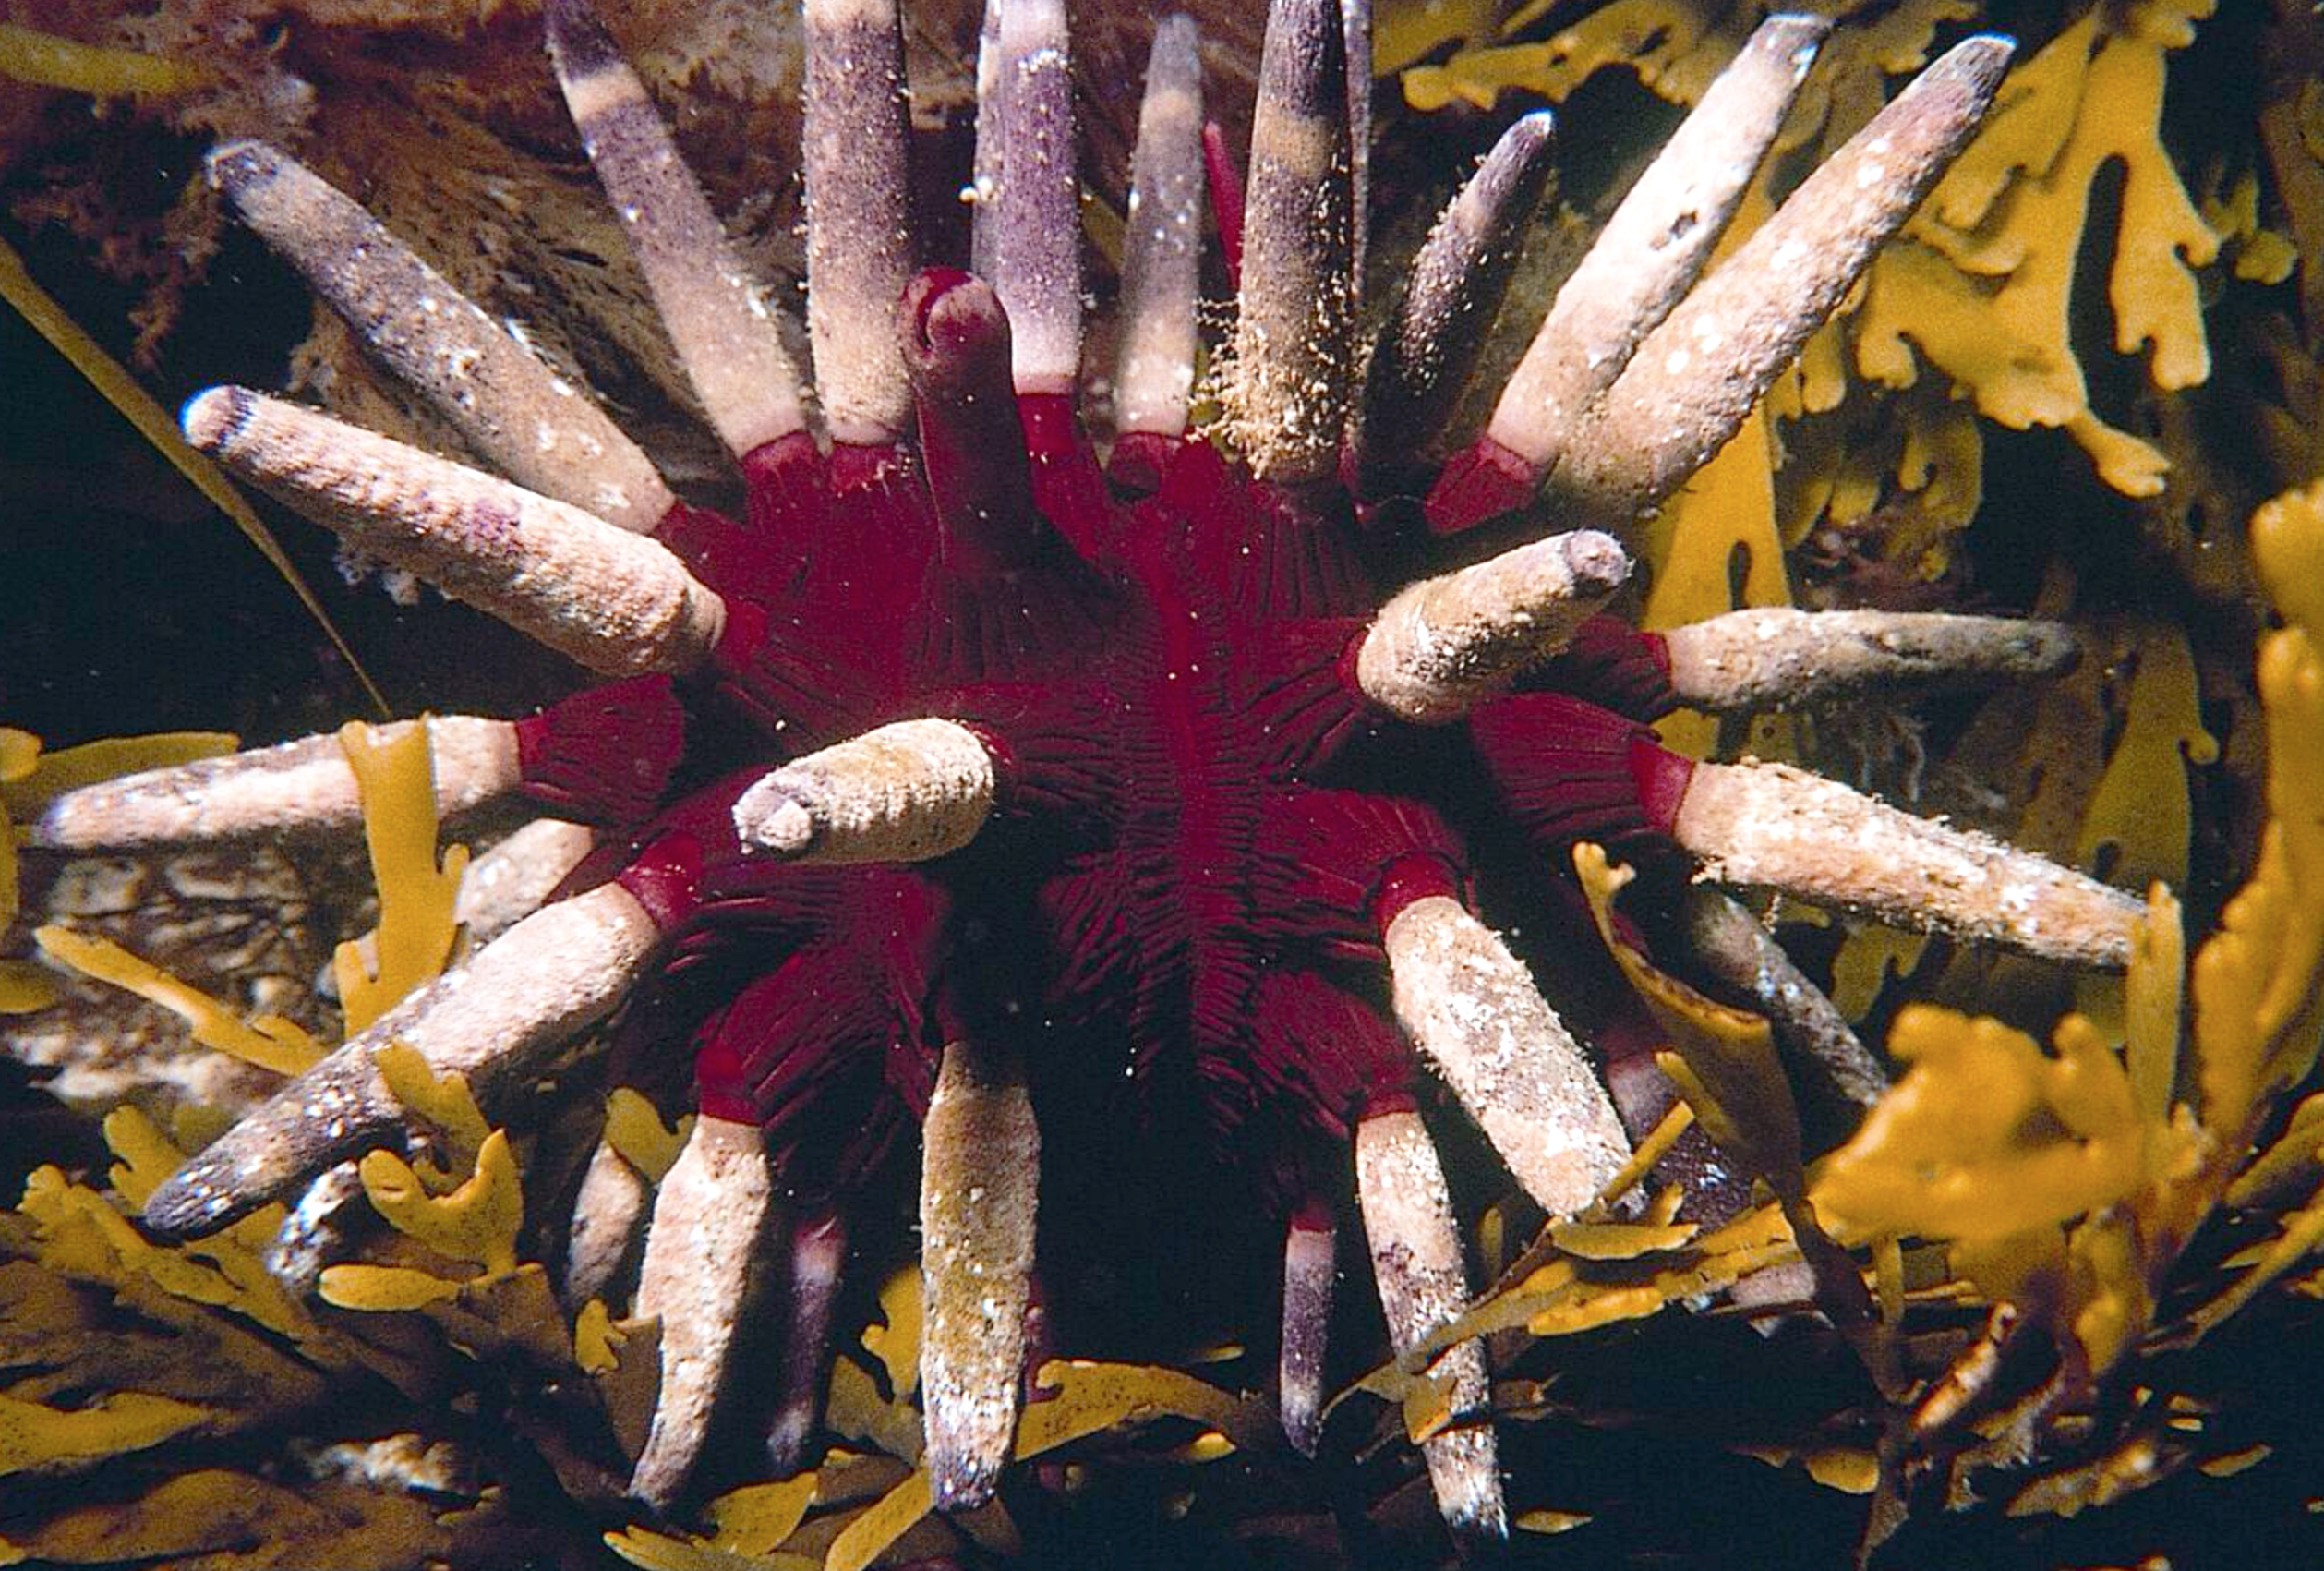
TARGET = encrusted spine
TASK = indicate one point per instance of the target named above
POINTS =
(711, 1215)
(979, 1161)
(532, 422)
(1423, 1285)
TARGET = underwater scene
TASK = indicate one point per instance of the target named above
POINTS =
(1303, 784)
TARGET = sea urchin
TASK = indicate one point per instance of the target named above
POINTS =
(979, 763)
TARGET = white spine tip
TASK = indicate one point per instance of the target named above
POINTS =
(859, 227)
(727, 341)
(500, 395)
(1161, 255)
(609, 1214)
(292, 790)
(1290, 389)
(209, 417)
(786, 831)
(1036, 228)
(1310, 1255)
(1443, 643)
(902, 792)
(1695, 378)
(1452, 295)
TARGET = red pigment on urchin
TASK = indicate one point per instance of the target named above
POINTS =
(1161, 663)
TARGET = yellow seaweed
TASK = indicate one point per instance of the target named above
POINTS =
(2015, 209)
(221, 1519)
(416, 893)
(1091, 1396)
(2068, 1184)
(759, 1517)
(854, 1408)
(23, 987)
(1727, 1056)
(894, 1514)
(269, 1041)
(895, 1341)
(2153, 993)
(638, 1135)
(1869, 957)
(476, 1222)
(1726, 515)
(660, 1551)
(146, 1156)
(1981, 286)
(596, 1342)
(1986, 1136)
(1543, 1520)
(19, 749)
(82, 1235)
(2261, 254)
(442, 1101)
(2254, 983)
(360, 1286)
(2140, 813)
(1404, 31)
(1087, 1399)
(29, 778)
(33, 1434)
(46, 60)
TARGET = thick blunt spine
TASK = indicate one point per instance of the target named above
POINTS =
(1695, 378)
(1773, 658)
(516, 876)
(1415, 1247)
(1443, 643)
(984, 172)
(613, 601)
(609, 1213)
(711, 1217)
(1454, 289)
(902, 792)
(858, 230)
(1657, 244)
(1288, 392)
(972, 448)
(1310, 1249)
(980, 1180)
(323, 1226)
(726, 338)
(818, 1259)
(527, 419)
(1036, 222)
(1355, 60)
(1769, 825)
(1472, 1011)
(1735, 947)
(507, 882)
(565, 967)
(1161, 258)
(297, 788)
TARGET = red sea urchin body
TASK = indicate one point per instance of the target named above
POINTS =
(1012, 784)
